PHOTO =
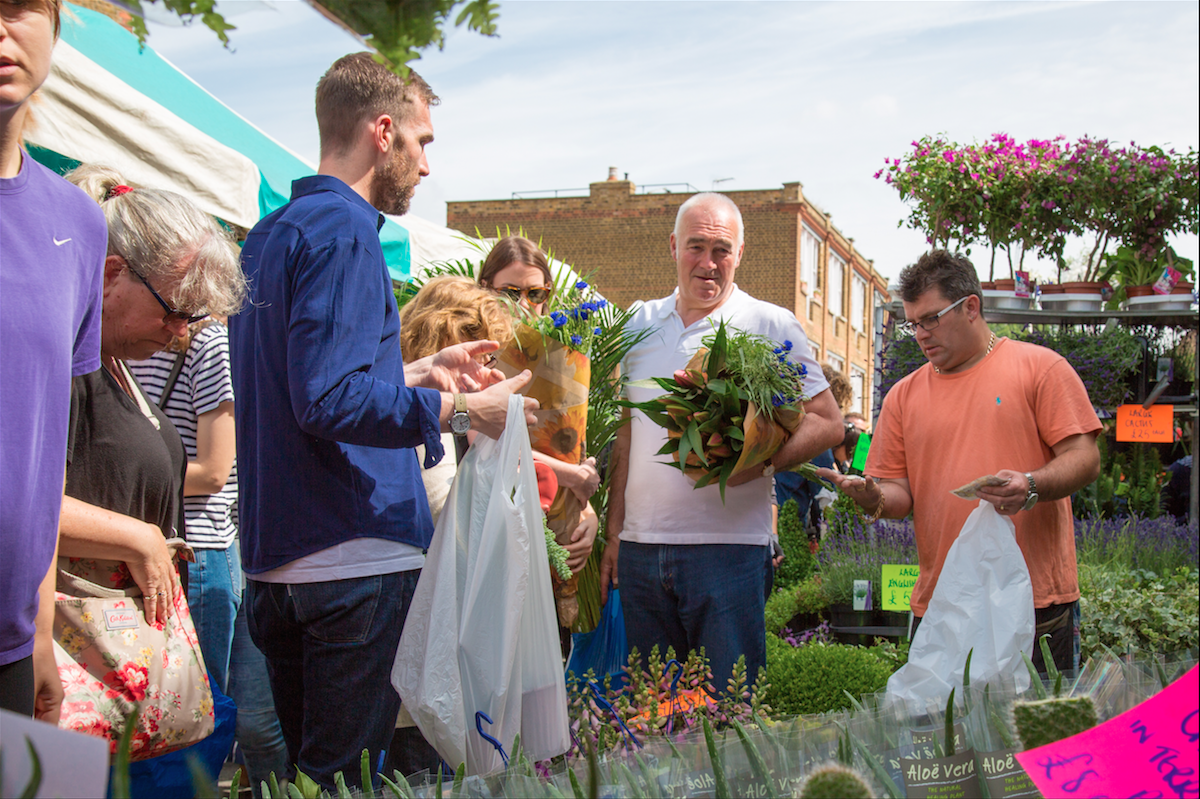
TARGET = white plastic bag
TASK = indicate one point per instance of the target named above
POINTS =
(480, 634)
(983, 602)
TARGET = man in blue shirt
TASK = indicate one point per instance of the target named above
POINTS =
(333, 513)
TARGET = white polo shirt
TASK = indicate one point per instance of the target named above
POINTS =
(662, 506)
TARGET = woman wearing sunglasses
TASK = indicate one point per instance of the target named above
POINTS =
(168, 264)
(518, 269)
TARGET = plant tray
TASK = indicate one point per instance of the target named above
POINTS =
(1004, 300)
(1159, 302)
(1071, 302)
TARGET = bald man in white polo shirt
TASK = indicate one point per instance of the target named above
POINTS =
(692, 569)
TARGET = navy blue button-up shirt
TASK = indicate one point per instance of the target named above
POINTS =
(325, 425)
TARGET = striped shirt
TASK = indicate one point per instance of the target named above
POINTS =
(203, 385)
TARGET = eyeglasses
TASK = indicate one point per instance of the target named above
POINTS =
(929, 322)
(172, 314)
(536, 295)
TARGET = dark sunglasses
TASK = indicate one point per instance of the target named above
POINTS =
(536, 295)
(172, 314)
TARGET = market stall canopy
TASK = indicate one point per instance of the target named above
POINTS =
(109, 100)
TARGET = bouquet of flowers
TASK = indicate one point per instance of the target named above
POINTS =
(556, 348)
(731, 408)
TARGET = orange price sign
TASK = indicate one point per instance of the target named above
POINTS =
(1153, 424)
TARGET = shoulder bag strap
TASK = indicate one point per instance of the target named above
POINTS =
(172, 379)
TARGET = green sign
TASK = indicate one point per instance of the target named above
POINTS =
(898, 582)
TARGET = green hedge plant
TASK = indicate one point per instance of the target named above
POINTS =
(817, 678)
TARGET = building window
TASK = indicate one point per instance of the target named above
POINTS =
(810, 256)
(836, 277)
(858, 381)
(858, 298)
(836, 361)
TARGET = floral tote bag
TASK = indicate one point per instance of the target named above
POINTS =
(111, 660)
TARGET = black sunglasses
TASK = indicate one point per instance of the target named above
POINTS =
(536, 295)
(172, 314)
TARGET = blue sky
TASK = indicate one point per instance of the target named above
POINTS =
(677, 91)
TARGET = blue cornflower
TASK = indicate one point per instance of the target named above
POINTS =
(583, 314)
(576, 340)
(787, 346)
(559, 321)
(601, 304)
(574, 313)
(778, 350)
(598, 331)
(777, 400)
(581, 285)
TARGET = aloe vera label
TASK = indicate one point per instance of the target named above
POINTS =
(890, 759)
(747, 784)
(699, 784)
(1003, 774)
(951, 777)
(928, 743)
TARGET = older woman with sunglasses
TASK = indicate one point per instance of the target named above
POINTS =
(168, 264)
(518, 269)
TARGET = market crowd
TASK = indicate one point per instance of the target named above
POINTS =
(275, 411)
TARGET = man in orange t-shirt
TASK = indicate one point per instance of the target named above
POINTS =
(983, 406)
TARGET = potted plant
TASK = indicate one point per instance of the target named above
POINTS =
(857, 550)
(1135, 274)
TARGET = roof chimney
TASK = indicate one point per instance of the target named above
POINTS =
(612, 173)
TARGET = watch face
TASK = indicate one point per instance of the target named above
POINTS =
(1029, 503)
(460, 423)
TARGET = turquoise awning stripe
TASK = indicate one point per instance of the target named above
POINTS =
(117, 50)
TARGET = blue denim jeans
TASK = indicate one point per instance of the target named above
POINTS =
(329, 649)
(259, 736)
(693, 596)
(214, 594)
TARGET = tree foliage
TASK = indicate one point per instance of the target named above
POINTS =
(397, 30)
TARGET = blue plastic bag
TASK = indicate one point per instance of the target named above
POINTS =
(605, 650)
(168, 776)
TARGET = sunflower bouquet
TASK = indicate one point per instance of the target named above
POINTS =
(731, 408)
(556, 349)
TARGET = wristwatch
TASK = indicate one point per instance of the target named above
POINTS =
(460, 420)
(1031, 497)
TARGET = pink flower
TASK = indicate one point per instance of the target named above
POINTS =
(949, 156)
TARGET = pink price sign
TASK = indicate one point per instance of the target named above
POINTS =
(1147, 751)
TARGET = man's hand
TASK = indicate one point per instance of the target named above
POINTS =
(863, 490)
(608, 568)
(489, 408)
(457, 368)
(1009, 498)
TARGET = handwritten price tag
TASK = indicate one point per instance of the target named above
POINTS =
(1147, 751)
(1135, 423)
(898, 580)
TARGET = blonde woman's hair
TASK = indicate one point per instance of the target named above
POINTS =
(450, 310)
(163, 235)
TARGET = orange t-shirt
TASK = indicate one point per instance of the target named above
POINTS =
(942, 431)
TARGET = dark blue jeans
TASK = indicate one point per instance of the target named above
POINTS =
(330, 648)
(693, 596)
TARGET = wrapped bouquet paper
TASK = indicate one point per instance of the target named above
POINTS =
(735, 404)
(561, 376)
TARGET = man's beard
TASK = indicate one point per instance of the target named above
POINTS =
(391, 191)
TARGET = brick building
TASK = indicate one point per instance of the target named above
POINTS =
(794, 257)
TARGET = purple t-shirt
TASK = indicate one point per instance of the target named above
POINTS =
(52, 246)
